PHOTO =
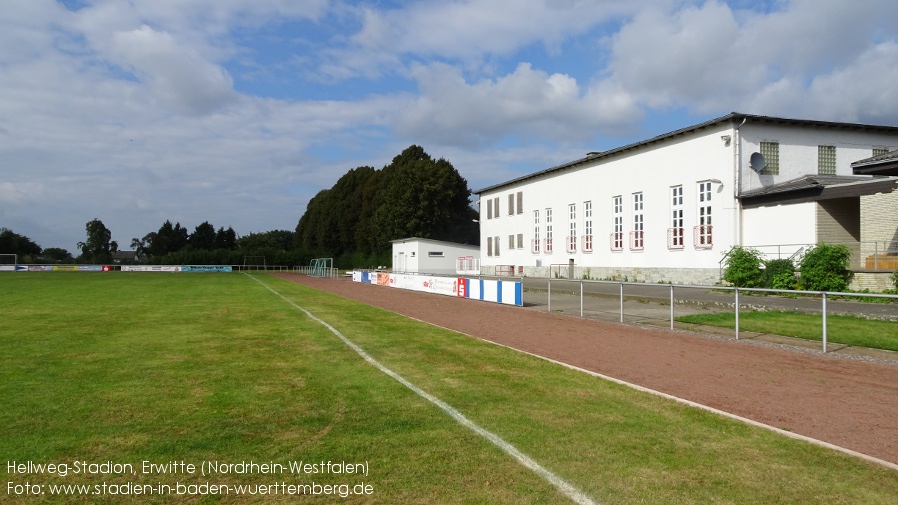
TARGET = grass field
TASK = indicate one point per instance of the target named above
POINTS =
(126, 368)
(839, 329)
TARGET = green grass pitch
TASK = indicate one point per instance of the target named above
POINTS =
(127, 368)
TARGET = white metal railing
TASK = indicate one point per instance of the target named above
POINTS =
(824, 297)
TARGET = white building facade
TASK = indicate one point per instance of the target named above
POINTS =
(667, 209)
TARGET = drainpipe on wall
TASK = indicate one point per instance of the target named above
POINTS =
(737, 181)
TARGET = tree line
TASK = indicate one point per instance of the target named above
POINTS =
(353, 222)
(414, 196)
(172, 244)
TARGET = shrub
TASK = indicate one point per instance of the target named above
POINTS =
(743, 268)
(825, 268)
(779, 274)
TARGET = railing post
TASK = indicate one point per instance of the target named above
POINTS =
(581, 297)
(875, 255)
(549, 304)
(824, 322)
(737, 312)
(671, 307)
(621, 302)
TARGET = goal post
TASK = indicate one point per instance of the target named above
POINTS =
(322, 267)
(254, 263)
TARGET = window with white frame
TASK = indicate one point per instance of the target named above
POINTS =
(826, 160)
(496, 246)
(520, 240)
(496, 206)
(535, 245)
(617, 223)
(511, 242)
(489, 208)
(637, 237)
(548, 247)
(489, 246)
(771, 153)
(675, 232)
(702, 236)
(511, 204)
(520, 202)
(572, 227)
(587, 226)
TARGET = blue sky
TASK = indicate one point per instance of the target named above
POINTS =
(237, 112)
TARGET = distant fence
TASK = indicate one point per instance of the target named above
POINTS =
(140, 268)
(823, 295)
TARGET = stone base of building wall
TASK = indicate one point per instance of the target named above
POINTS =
(876, 282)
(693, 276)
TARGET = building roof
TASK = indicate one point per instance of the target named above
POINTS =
(735, 118)
(430, 240)
(884, 164)
(811, 188)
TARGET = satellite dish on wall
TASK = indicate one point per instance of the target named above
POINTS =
(757, 162)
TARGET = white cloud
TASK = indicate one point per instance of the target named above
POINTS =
(709, 58)
(177, 75)
(469, 31)
(526, 102)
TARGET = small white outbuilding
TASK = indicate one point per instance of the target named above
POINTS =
(426, 256)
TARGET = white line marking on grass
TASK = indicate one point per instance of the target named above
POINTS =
(562, 485)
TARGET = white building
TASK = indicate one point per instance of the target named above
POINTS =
(667, 209)
(425, 256)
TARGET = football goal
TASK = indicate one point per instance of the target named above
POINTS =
(254, 263)
(322, 267)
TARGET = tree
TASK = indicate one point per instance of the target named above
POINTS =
(57, 254)
(99, 247)
(414, 195)
(226, 239)
(203, 237)
(140, 245)
(170, 238)
(423, 197)
(13, 243)
(281, 240)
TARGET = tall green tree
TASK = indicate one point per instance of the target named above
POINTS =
(13, 243)
(227, 239)
(99, 246)
(203, 237)
(170, 238)
(414, 195)
(57, 254)
(422, 197)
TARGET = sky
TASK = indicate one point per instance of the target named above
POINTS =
(237, 112)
